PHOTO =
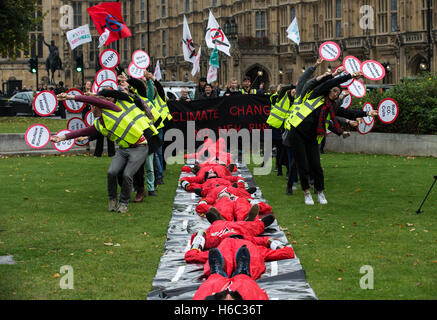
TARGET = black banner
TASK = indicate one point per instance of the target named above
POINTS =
(233, 112)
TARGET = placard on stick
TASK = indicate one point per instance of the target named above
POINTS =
(364, 128)
(72, 105)
(351, 64)
(105, 74)
(388, 111)
(89, 119)
(134, 71)
(357, 89)
(368, 107)
(37, 136)
(141, 59)
(329, 51)
(63, 146)
(109, 59)
(45, 103)
(372, 70)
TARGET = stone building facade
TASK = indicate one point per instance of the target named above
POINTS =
(393, 32)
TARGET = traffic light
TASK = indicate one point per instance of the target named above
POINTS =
(33, 65)
(79, 64)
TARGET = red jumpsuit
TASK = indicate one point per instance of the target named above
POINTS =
(247, 287)
(259, 253)
(216, 151)
(221, 229)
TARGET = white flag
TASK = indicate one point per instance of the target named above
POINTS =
(157, 73)
(196, 63)
(212, 74)
(188, 44)
(103, 37)
(293, 31)
(215, 36)
(78, 36)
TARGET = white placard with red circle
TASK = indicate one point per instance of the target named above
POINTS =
(347, 101)
(89, 119)
(364, 128)
(45, 103)
(141, 59)
(357, 89)
(372, 70)
(347, 83)
(109, 59)
(75, 124)
(329, 51)
(134, 71)
(108, 84)
(37, 136)
(368, 107)
(351, 64)
(388, 111)
(95, 87)
(65, 145)
(105, 74)
(73, 105)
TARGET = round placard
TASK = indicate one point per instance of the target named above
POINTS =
(109, 59)
(75, 124)
(347, 83)
(89, 119)
(347, 101)
(65, 145)
(368, 107)
(388, 111)
(134, 71)
(351, 64)
(364, 128)
(373, 70)
(141, 59)
(45, 103)
(105, 74)
(357, 89)
(37, 136)
(95, 87)
(108, 84)
(72, 105)
(329, 51)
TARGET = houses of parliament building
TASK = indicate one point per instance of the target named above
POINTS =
(397, 33)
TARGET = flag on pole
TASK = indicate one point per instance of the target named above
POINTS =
(212, 74)
(215, 36)
(78, 36)
(293, 31)
(187, 43)
(107, 18)
(213, 66)
(157, 73)
(196, 63)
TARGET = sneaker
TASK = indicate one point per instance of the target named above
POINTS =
(321, 198)
(309, 199)
(242, 259)
(215, 260)
(112, 205)
(122, 208)
(253, 212)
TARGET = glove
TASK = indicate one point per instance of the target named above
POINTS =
(198, 241)
(275, 244)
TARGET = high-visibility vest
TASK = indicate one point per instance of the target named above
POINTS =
(163, 109)
(301, 110)
(157, 120)
(125, 127)
(279, 112)
(251, 91)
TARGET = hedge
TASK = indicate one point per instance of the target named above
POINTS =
(417, 100)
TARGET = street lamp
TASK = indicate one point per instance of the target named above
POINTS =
(423, 66)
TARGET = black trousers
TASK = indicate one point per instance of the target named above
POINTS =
(307, 156)
(99, 146)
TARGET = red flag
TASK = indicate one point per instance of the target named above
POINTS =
(107, 15)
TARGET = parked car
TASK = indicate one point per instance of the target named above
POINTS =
(21, 104)
(173, 89)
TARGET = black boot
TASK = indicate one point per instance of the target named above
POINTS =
(268, 220)
(289, 190)
(215, 260)
(251, 190)
(213, 214)
(253, 212)
(242, 259)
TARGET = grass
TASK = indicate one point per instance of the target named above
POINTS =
(21, 124)
(53, 212)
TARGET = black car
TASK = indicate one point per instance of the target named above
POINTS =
(20, 104)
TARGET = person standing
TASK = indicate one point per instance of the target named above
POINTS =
(200, 88)
(233, 88)
(61, 108)
(246, 86)
(208, 94)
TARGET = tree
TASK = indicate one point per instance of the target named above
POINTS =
(18, 18)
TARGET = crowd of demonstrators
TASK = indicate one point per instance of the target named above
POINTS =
(232, 249)
(301, 115)
(132, 117)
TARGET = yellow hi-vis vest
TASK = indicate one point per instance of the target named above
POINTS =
(125, 127)
(279, 112)
(157, 120)
(251, 91)
(163, 109)
(300, 111)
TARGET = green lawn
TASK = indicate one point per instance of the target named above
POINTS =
(53, 212)
(20, 124)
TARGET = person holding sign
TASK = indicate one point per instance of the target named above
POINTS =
(124, 124)
(308, 126)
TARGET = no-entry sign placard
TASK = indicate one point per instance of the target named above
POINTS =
(65, 145)
(45, 103)
(329, 51)
(134, 71)
(72, 105)
(373, 70)
(89, 119)
(37, 136)
(347, 101)
(141, 59)
(351, 64)
(357, 89)
(388, 111)
(364, 128)
(109, 59)
(105, 74)
(368, 107)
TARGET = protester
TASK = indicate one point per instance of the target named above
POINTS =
(233, 88)
(209, 93)
(184, 95)
(247, 86)
(61, 107)
(200, 88)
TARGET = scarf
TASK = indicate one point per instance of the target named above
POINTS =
(328, 108)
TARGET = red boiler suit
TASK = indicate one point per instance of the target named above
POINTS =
(247, 287)
(259, 253)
